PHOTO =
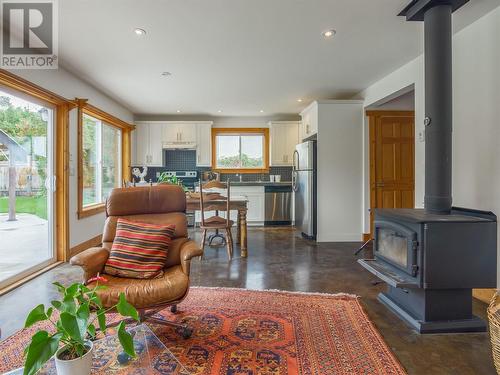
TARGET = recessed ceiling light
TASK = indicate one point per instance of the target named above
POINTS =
(219, 111)
(178, 111)
(329, 33)
(166, 74)
(261, 111)
(299, 100)
(139, 31)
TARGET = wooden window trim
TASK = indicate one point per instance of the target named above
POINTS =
(126, 129)
(264, 131)
(62, 107)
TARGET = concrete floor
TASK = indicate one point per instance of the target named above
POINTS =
(280, 259)
(23, 243)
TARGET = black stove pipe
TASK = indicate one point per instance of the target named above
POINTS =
(438, 108)
(436, 15)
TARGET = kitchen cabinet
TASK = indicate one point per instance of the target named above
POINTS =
(284, 137)
(204, 144)
(140, 138)
(309, 123)
(150, 138)
(179, 133)
(155, 145)
(256, 205)
(148, 147)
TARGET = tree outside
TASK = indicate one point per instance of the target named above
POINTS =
(26, 126)
(100, 160)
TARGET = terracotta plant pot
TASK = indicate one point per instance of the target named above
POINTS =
(77, 366)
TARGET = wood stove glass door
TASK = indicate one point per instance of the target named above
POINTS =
(396, 244)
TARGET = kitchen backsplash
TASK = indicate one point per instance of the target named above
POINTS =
(179, 160)
(185, 160)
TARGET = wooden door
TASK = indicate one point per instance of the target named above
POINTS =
(392, 160)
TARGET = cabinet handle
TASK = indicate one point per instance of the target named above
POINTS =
(180, 136)
(307, 129)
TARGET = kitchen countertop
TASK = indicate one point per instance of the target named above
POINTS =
(260, 183)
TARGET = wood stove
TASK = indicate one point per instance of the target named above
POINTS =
(431, 258)
(431, 262)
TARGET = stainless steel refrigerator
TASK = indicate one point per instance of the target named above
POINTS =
(304, 187)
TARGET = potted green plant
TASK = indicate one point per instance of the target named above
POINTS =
(165, 178)
(79, 314)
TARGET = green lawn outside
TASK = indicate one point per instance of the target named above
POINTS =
(31, 205)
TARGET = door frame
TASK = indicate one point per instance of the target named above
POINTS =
(373, 115)
(61, 108)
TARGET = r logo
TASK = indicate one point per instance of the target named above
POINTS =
(29, 34)
(27, 28)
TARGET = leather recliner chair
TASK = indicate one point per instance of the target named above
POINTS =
(163, 204)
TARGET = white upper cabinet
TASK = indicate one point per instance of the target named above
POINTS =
(204, 145)
(284, 137)
(148, 148)
(151, 138)
(140, 147)
(155, 145)
(179, 133)
(309, 124)
(170, 133)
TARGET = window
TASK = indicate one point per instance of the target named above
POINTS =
(240, 150)
(103, 155)
(32, 120)
(100, 160)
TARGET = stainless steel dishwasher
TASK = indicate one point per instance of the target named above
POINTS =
(278, 205)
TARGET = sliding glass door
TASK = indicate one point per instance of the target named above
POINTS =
(26, 186)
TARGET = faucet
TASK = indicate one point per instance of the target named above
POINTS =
(241, 176)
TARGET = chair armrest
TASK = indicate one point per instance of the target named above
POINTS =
(189, 250)
(91, 260)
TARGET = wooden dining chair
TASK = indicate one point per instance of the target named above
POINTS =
(216, 222)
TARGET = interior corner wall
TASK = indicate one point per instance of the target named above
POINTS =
(476, 116)
(69, 86)
(408, 76)
(339, 171)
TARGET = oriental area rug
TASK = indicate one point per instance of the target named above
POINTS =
(245, 332)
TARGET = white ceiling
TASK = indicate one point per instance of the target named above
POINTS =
(239, 56)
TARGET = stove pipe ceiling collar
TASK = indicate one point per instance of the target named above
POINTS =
(436, 15)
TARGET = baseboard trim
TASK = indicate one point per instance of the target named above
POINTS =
(96, 241)
(31, 276)
(340, 237)
(484, 295)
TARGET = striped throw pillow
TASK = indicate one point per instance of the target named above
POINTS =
(139, 250)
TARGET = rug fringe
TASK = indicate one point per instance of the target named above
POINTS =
(341, 294)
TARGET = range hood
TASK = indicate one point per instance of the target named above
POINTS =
(188, 145)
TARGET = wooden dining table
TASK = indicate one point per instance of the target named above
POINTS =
(240, 204)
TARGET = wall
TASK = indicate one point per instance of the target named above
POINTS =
(476, 114)
(405, 102)
(69, 86)
(340, 166)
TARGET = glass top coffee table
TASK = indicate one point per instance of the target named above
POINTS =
(153, 357)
